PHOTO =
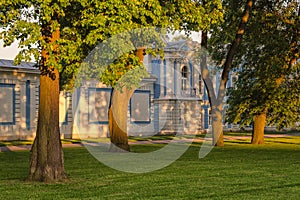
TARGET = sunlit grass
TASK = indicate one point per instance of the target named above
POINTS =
(15, 142)
(249, 133)
(147, 138)
(29, 142)
(238, 170)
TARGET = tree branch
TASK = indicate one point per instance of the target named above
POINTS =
(204, 69)
(237, 41)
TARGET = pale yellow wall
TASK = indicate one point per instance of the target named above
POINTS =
(19, 129)
(18, 78)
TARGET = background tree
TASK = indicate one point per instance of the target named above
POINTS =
(266, 92)
(223, 45)
(175, 15)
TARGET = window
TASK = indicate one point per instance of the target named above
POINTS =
(184, 76)
(7, 104)
(98, 104)
(140, 107)
(200, 84)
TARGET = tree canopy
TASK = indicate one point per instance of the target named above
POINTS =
(83, 24)
(266, 66)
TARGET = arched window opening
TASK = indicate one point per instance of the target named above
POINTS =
(184, 78)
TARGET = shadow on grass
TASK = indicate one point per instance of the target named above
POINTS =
(281, 142)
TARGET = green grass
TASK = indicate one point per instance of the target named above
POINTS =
(29, 142)
(237, 171)
(249, 133)
(15, 143)
(138, 138)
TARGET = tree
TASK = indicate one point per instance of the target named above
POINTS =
(42, 32)
(60, 34)
(266, 92)
(229, 51)
(175, 15)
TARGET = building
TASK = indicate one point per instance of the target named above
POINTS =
(168, 101)
(172, 99)
(19, 100)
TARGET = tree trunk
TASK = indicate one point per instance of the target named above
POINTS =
(258, 129)
(217, 127)
(216, 100)
(117, 114)
(46, 159)
(117, 119)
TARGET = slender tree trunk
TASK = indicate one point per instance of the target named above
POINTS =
(117, 114)
(216, 103)
(258, 129)
(216, 100)
(217, 127)
(46, 159)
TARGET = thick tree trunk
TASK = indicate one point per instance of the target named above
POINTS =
(259, 128)
(117, 114)
(117, 117)
(46, 160)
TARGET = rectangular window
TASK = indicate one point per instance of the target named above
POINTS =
(7, 104)
(140, 107)
(200, 84)
(98, 104)
(28, 103)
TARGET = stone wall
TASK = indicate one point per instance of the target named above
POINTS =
(178, 116)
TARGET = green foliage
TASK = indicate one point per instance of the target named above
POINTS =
(253, 95)
(223, 34)
(126, 71)
(85, 23)
(268, 76)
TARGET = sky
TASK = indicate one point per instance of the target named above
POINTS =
(8, 52)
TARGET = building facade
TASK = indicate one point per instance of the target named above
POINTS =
(172, 99)
(168, 101)
(19, 101)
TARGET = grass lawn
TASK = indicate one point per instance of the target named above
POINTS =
(237, 171)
